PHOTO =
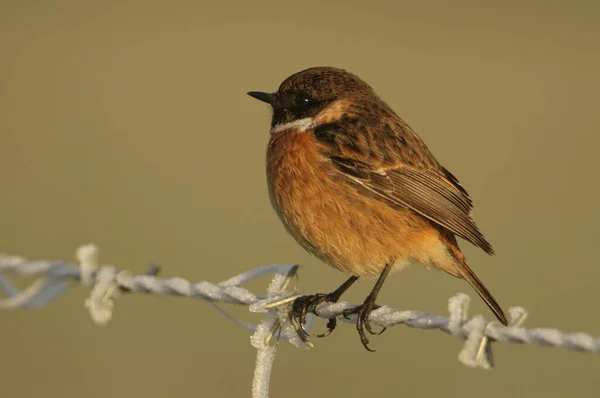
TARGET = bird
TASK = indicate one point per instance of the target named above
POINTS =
(356, 187)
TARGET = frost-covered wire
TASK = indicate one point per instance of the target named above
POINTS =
(107, 283)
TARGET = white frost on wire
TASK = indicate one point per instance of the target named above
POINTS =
(107, 283)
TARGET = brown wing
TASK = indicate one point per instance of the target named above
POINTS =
(435, 195)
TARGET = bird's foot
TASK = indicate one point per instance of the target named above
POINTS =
(305, 304)
(362, 320)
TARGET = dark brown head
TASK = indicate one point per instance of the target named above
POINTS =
(306, 93)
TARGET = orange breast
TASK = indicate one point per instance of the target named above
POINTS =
(352, 232)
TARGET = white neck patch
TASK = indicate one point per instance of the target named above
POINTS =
(300, 124)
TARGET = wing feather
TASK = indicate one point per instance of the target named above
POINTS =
(435, 195)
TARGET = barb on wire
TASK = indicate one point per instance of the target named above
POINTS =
(107, 283)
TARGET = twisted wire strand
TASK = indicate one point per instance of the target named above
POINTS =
(107, 283)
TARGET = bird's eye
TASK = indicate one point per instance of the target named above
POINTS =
(302, 100)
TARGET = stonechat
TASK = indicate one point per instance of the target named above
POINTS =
(356, 187)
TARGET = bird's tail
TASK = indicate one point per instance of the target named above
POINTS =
(467, 274)
(462, 270)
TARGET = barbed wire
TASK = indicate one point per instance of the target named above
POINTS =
(107, 283)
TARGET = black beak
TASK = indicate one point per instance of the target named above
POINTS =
(269, 98)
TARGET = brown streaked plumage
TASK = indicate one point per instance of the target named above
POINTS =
(356, 187)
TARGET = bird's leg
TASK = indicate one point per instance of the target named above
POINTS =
(303, 304)
(364, 310)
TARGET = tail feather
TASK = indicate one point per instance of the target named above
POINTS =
(460, 269)
(467, 274)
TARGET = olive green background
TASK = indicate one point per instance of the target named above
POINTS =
(126, 124)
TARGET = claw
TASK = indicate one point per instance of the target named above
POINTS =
(368, 324)
(331, 324)
(303, 315)
(302, 305)
(381, 331)
(301, 326)
(362, 321)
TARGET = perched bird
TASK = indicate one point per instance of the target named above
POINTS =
(357, 188)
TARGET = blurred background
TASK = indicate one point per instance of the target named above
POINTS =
(126, 124)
